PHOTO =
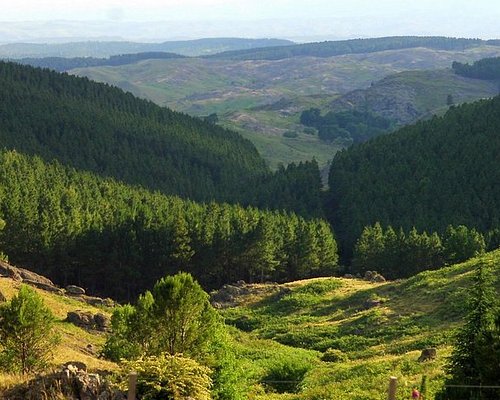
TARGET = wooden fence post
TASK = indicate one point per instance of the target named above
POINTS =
(132, 383)
(393, 385)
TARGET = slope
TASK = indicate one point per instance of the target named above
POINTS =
(240, 91)
(76, 344)
(434, 173)
(99, 128)
(376, 329)
(412, 95)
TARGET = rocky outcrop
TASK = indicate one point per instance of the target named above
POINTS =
(428, 354)
(71, 383)
(87, 320)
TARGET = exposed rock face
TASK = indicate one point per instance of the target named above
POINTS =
(87, 320)
(428, 354)
(232, 295)
(43, 286)
(71, 382)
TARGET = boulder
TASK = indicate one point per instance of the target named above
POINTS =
(369, 275)
(102, 322)
(75, 290)
(75, 365)
(80, 318)
(377, 278)
(428, 354)
(348, 276)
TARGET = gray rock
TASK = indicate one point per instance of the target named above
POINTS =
(102, 322)
(75, 290)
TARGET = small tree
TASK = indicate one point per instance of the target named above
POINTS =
(26, 336)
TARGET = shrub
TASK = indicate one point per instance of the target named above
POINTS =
(334, 355)
(170, 377)
(285, 374)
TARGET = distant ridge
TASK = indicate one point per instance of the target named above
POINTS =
(108, 48)
(355, 46)
(62, 64)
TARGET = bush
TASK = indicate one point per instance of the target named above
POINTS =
(334, 355)
(290, 134)
(168, 377)
(284, 375)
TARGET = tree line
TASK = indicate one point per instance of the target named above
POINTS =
(487, 69)
(400, 254)
(62, 64)
(118, 240)
(354, 46)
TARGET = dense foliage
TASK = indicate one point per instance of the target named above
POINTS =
(26, 336)
(354, 125)
(400, 254)
(429, 175)
(170, 377)
(62, 64)
(353, 46)
(99, 128)
(487, 68)
(118, 240)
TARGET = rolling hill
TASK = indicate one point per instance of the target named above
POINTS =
(263, 99)
(412, 95)
(106, 49)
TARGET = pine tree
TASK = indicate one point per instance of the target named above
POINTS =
(465, 364)
(26, 336)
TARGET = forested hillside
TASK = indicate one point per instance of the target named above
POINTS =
(117, 239)
(429, 175)
(102, 129)
(487, 69)
(354, 46)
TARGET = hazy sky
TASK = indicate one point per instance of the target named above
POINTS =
(479, 18)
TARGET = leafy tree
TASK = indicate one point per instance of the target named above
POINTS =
(26, 336)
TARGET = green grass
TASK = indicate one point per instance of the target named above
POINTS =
(316, 315)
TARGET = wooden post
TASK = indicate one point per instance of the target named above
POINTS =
(132, 383)
(393, 385)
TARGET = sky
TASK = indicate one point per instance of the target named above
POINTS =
(250, 18)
